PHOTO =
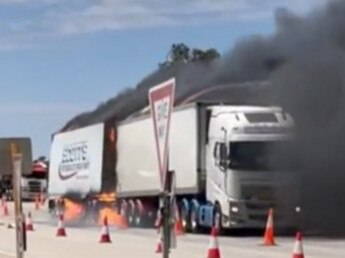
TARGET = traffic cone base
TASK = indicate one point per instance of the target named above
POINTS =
(105, 237)
(159, 247)
(28, 223)
(61, 232)
(29, 227)
(213, 253)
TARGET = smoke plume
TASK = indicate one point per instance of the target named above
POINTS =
(304, 60)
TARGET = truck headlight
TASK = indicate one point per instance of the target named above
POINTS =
(298, 209)
(234, 209)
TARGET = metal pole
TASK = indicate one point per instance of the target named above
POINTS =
(166, 225)
(166, 214)
(19, 218)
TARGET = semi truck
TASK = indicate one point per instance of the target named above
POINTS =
(34, 185)
(232, 163)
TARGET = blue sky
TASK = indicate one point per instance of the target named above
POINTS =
(61, 57)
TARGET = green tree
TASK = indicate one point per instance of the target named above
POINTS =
(182, 53)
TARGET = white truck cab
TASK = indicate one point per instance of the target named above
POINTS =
(250, 168)
(35, 184)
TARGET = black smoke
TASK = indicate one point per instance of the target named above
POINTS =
(311, 85)
(304, 60)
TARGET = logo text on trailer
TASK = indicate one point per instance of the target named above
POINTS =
(74, 159)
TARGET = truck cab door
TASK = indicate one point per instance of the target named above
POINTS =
(220, 164)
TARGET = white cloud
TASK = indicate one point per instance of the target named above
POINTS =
(66, 17)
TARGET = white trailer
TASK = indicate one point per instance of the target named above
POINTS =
(82, 165)
(219, 155)
(137, 163)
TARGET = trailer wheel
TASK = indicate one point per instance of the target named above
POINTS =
(130, 216)
(194, 225)
(137, 218)
(185, 219)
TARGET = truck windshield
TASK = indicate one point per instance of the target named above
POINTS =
(263, 155)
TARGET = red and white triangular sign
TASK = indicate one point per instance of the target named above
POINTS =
(161, 99)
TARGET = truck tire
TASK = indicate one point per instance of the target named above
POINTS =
(137, 218)
(130, 216)
(217, 218)
(185, 219)
(194, 224)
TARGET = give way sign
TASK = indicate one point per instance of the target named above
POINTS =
(161, 98)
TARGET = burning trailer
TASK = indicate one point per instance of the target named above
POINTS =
(81, 174)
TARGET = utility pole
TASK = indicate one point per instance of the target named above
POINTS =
(19, 217)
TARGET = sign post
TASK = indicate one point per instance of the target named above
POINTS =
(19, 217)
(161, 98)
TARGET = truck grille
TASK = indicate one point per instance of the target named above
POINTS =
(34, 187)
(258, 193)
(258, 200)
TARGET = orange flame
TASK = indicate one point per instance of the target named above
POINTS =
(112, 216)
(107, 197)
(72, 210)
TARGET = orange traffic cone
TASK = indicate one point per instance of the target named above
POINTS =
(5, 209)
(178, 227)
(37, 203)
(42, 199)
(105, 237)
(61, 232)
(269, 231)
(28, 223)
(159, 247)
(213, 250)
(298, 248)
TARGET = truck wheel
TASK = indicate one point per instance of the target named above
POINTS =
(137, 218)
(194, 225)
(150, 219)
(185, 219)
(217, 218)
(130, 216)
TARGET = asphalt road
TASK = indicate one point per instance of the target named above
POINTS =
(141, 243)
